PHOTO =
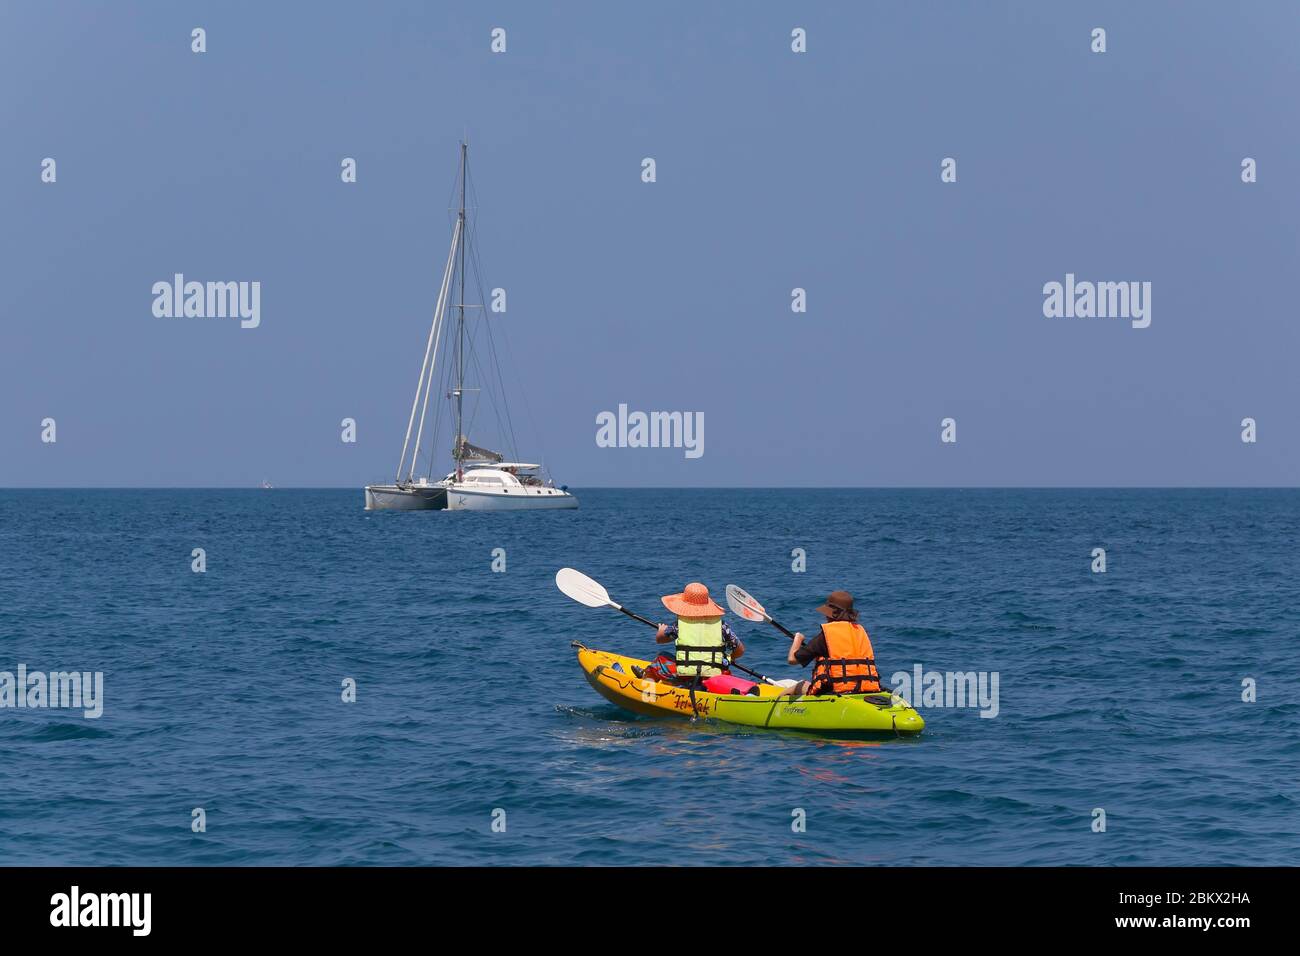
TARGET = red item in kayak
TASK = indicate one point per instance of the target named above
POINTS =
(727, 684)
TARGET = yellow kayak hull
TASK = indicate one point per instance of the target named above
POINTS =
(843, 715)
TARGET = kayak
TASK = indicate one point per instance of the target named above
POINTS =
(838, 715)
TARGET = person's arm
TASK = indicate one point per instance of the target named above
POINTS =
(666, 634)
(812, 649)
(735, 647)
(794, 648)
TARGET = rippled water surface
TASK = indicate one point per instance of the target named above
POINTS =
(1120, 691)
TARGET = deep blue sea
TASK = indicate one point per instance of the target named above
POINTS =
(1119, 691)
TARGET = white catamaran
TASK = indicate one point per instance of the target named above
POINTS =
(481, 480)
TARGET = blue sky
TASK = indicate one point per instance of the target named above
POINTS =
(775, 170)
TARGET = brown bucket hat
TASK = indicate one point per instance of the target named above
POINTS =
(838, 601)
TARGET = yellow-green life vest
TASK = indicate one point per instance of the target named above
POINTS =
(699, 647)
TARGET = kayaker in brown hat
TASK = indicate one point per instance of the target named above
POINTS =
(845, 660)
(705, 643)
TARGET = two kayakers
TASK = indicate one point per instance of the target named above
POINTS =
(841, 653)
(705, 643)
(843, 659)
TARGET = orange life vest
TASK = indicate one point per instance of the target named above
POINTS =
(849, 666)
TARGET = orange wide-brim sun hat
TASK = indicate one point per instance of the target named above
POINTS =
(692, 602)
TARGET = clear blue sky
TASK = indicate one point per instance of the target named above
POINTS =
(775, 170)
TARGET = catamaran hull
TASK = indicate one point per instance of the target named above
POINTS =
(392, 498)
(531, 499)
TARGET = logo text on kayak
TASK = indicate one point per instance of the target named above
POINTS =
(922, 688)
(626, 429)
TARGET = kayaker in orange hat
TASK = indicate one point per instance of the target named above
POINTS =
(705, 643)
(845, 660)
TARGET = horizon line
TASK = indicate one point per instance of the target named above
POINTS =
(686, 488)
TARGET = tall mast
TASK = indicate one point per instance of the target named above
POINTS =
(425, 382)
(460, 325)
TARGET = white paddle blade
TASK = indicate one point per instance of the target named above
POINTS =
(742, 604)
(581, 588)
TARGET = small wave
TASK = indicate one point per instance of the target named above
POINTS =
(573, 711)
(68, 731)
(1171, 661)
(1030, 622)
(912, 630)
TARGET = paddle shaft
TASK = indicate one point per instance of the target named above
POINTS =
(763, 677)
(637, 617)
(781, 627)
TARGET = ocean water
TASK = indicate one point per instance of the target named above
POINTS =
(1119, 691)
